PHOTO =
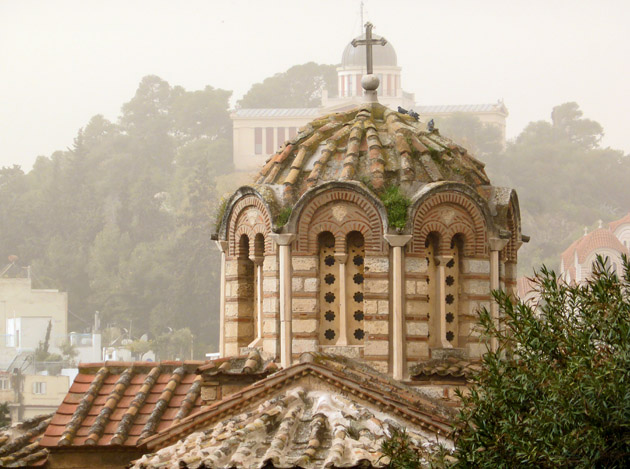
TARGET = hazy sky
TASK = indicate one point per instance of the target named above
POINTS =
(61, 62)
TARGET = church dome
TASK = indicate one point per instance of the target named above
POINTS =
(382, 55)
(372, 145)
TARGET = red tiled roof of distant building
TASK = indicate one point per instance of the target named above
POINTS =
(122, 403)
(598, 239)
(613, 225)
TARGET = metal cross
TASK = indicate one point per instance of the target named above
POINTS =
(368, 42)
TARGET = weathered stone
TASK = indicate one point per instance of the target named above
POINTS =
(271, 305)
(304, 263)
(377, 347)
(475, 266)
(418, 329)
(410, 287)
(417, 307)
(416, 264)
(209, 393)
(376, 327)
(370, 306)
(311, 284)
(376, 286)
(304, 305)
(270, 264)
(476, 287)
(376, 264)
(383, 307)
(304, 325)
(304, 345)
(418, 349)
(297, 283)
(270, 284)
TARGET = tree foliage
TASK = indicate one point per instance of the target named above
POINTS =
(121, 220)
(557, 391)
(300, 86)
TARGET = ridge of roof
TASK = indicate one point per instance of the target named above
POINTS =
(400, 399)
(613, 225)
(19, 444)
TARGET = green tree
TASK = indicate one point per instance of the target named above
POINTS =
(5, 416)
(300, 86)
(555, 393)
(479, 138)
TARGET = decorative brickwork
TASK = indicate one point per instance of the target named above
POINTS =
(249, 216)
(339, 211)
(449, 214)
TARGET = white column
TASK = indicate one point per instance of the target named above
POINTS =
(397, 242)
(258, 263)
(441, 294)
(284, 245)
(222, 246)
(343, 310)
(496, 246)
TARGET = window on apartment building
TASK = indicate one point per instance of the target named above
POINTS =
(39, 387)
(269, 142)
(258, 140)
(5, 383)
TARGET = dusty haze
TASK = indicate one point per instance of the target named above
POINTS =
(62, 62)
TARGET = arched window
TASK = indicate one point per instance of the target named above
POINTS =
(329, 290)
(355, 266)
(246, 294)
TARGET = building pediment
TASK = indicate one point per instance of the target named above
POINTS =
(323, 410)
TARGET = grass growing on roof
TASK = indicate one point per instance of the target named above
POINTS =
(283, 217)
(396, 205)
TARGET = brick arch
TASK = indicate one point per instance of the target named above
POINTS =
(237, 226)
(450, 213)
(361, 216)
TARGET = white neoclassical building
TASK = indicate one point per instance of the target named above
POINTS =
(259, 133)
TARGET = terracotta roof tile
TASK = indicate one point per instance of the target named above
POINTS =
(361, 137)
(250, 364)
(587, 244)
(20, 443)
(613, 225)
(292, 427)
(115, 402)
(451, 367)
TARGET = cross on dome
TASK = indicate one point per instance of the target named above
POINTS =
(368, 42)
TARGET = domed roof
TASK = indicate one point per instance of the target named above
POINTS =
(382, 55)
(372, 145)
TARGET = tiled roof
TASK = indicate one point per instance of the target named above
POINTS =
(250, 364)
(372, 144)
(597, 239)
(289, 112)
(340, 421)
(449, 108)
(352, 377)
(613, 225)
(296, 428)
(19, 444)
(121, 403)
(451, 367)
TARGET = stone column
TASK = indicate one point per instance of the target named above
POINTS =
(258, 265)
(222, 246)
(441, 300)
(496, 246)
(343, 318)
(397, 242)
(284, 245)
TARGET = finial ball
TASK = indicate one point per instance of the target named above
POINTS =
(370, 82)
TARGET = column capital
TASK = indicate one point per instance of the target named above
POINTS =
(221, 245)
(443, 259)
(396, 240)
(282, 239)
(257, 260)
(342, 257)
(497, 244)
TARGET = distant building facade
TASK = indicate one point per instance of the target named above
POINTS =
(258, 133)
(25, 313)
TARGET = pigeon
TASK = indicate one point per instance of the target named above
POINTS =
(414, 114)
(402, 110)
(430, 125)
